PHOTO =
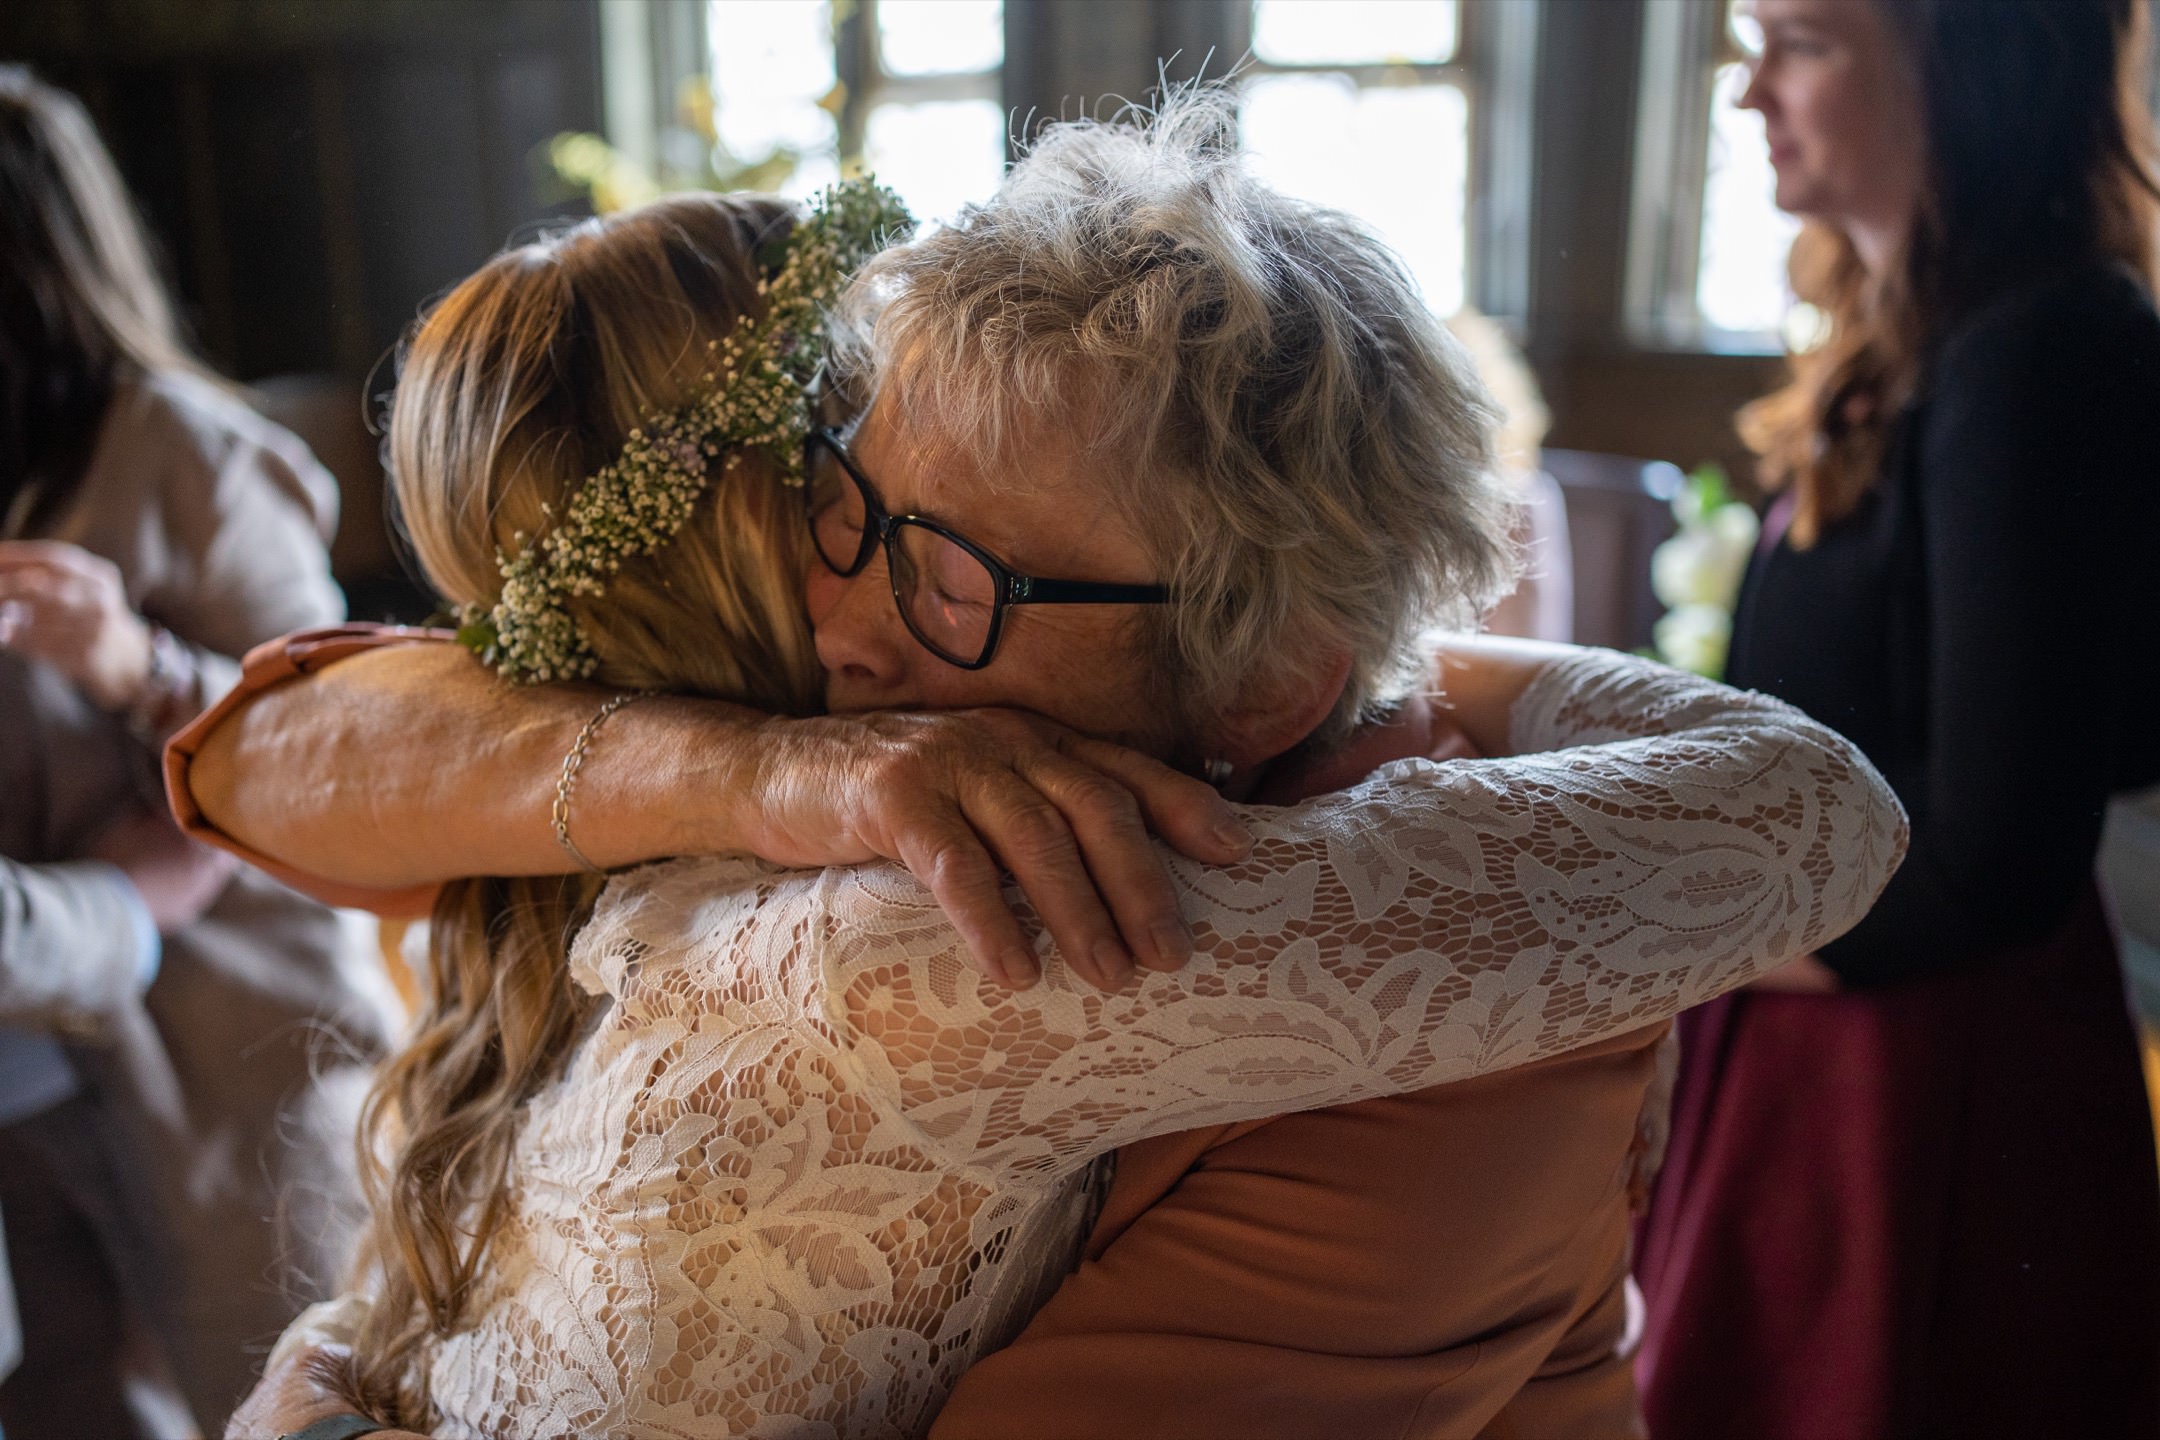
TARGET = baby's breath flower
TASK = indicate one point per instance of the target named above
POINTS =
(757, 400)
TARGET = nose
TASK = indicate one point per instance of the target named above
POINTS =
(859, 634)
(1757, 94)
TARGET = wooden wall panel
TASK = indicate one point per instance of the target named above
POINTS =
(259, 128)
(316, 169)
(423, 227)
(1608, 394)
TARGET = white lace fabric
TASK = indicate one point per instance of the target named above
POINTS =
(808, 1167)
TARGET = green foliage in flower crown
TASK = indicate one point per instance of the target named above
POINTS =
(757, 397)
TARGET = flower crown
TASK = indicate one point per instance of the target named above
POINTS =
(757, 396)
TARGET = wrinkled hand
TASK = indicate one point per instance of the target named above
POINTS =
(177, 878)
(293, 1395)
(67, 607)
(956, 796)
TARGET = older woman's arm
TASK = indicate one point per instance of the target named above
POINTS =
(409, 764)
(403, 764)
(1439, 923)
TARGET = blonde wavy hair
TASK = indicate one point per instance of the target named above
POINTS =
(522, 382)
(1290, 433)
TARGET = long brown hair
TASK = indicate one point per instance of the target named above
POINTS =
(81, 304)
(524, 380)
(2038, 158)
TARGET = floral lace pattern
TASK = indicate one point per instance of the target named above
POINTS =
(807, 1167)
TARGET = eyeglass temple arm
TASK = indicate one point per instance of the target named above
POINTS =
(1028, 590)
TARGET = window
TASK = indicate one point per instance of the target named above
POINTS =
(1707, 246)
(905, 89)
(1740, 284)
(1366, 106)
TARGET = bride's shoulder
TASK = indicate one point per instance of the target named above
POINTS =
(703, 925)
(691, 913)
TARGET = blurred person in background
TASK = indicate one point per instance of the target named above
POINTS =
(1542, 604)
(1911, 1187)
(156, 1004)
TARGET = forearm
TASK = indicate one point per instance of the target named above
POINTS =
(412, 765)
(367, 766)
(1477, 679)
(1436, 923)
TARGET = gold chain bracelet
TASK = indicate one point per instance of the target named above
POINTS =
(570, 764)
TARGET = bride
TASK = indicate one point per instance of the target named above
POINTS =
(711, 1147)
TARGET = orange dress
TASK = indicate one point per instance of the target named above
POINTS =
(1449, 1263)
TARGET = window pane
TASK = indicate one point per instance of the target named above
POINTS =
(938, 155)
(772, 65)
(1742, 29)
(1741, 284)
(1395, 156)
(941, 37)
(1353, 32)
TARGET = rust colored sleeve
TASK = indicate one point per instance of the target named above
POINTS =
(266, 667)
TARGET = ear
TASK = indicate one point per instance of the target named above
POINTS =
(1283, 708)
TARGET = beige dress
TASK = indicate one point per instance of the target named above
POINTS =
(218, 521)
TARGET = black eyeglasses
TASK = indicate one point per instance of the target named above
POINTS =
(951, 592)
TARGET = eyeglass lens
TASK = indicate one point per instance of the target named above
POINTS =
(945, 592)
(836, 510)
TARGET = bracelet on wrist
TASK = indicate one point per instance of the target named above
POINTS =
(571, 764)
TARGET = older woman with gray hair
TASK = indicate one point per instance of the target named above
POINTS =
(1181, 467)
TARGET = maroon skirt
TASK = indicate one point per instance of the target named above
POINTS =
(1931, 1210)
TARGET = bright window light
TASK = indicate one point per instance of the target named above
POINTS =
(1353, 32)
(941, 37)
(772, 65)
(938, 155)
(1740, 284)
(928, 132)
(1395, 156)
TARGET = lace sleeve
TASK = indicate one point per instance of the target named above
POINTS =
(1435, 923)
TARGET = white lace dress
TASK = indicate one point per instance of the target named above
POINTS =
(807, 1167)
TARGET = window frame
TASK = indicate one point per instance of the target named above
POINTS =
(1684, 45)
(859, 65)
(1502, 52)
(646, 53)
(1456, 69)
(649, 48)
(1494, 64)
(1054, 62)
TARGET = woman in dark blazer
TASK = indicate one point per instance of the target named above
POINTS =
(1911, 1189)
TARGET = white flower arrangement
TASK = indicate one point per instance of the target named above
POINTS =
(758, 397)
(1697, 573)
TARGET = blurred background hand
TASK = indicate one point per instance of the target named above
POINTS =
(177, 878)
(67, 607)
